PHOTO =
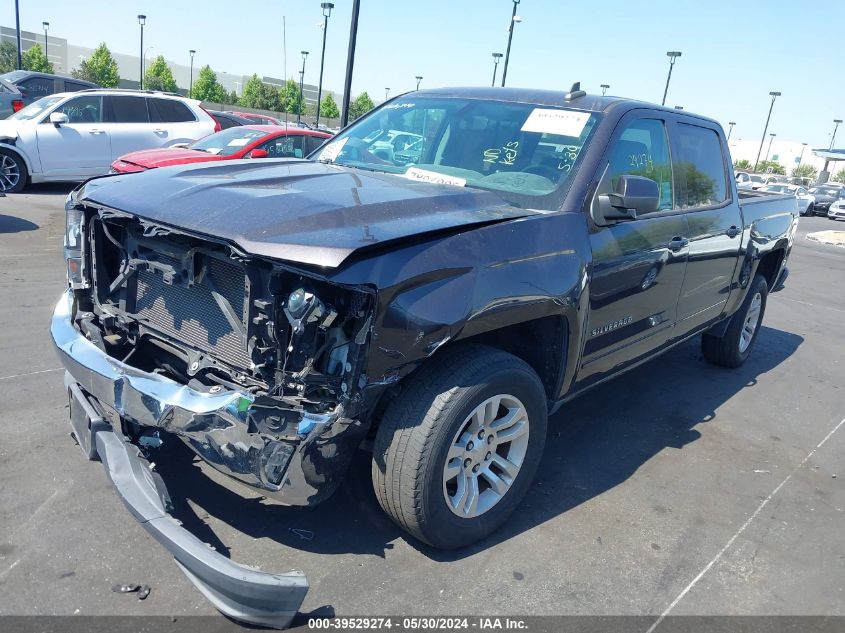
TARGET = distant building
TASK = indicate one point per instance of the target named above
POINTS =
(784, 152)
(65, 57)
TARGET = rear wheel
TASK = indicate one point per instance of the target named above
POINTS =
(13, 172)
(810, 210)
(735, 345)
(459, 446)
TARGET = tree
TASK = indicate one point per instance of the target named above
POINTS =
(207, 88)
(360, 106)
(290, 97)
(743, 164)
(35, 59)
(252, 93)
(328, 108)
(764, 167)
(8, 57)
(159, 76)
(805, 171)
(232, 98)
(271, 99)
(839, 176)
(101, 68)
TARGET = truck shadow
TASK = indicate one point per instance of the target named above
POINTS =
(12, 224)
(594, 443)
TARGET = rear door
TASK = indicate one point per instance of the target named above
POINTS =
(638, 265)
(702, 169)
(79, 148)
(129, 125)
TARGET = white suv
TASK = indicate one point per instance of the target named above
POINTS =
(73, 136)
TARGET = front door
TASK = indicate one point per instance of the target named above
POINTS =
(79, 148)
(638, 265)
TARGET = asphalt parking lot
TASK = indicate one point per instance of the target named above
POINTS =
(679, 486)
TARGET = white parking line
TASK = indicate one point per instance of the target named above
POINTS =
(812, 305)
(31, 373)
(745, 525)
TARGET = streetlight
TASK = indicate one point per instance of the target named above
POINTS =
(46, 26)
(769, 149)
(673, 55)
(419, 79)
(386, 92)
(774, 96)
(514, 20)
(800, 158)
(142, 20)
(327, 11)
(301, 78)
(730, 128)
(191, 84)
(496, 58)
(604, 88)
(833, 137)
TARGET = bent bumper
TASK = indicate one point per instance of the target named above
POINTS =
(240, 592)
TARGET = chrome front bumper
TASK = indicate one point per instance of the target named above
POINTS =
(216, 426)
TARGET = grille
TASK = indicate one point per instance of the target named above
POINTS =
(190, 314)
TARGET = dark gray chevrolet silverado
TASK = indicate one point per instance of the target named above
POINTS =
(435, 282)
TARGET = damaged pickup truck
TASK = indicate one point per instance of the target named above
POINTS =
(437, 301)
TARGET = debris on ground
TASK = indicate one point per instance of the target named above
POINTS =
(143, 590)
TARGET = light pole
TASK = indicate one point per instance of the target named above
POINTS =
(514, 20)
(142, 20)
(419, 79)
(386, 92)
(327, 11)
(46, 26)
(730, 128)
(833, 136)
(774, 96)
(604, 88)
(301, 79)
(18, 33)
(769, 148)
(673, 55)
(496, 58)
(191, 82)
(800, 158)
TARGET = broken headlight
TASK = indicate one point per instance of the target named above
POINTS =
(74, 230)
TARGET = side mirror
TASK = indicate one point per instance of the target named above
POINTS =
(57, 118)
(633, 195)
(258, 153)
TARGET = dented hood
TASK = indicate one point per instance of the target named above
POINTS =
(299, 211)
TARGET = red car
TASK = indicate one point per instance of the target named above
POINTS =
(245, 141)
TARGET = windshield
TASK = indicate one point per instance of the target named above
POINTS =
(227, 142)
(756, 178)
(779, 188)
(526, 153)
(825, 192)
(36, 108)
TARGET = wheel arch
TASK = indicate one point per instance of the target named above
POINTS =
(16, 150)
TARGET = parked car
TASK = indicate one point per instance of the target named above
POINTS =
(806, 200)
(744, 180)
(273, 315)
(73, 136)
(825, 195)
(246, 141)
(227, 119)
(837, 210)
(19, 88)
(260, 119)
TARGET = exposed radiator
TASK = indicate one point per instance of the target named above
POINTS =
(191, 314)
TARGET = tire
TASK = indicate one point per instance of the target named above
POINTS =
(13, 174)
(810, 210)
(734, 347)
(432, 417)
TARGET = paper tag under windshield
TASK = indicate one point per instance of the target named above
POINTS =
(551, 121)
(331, 150)
(424, 175)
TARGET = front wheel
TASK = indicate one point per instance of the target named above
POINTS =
(733, 348)
(459, 445)
(12, 172)
(810, 211)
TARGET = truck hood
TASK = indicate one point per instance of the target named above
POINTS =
(294, 210)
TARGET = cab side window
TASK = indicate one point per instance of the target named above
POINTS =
(700, 179)
(642, 150)
(83, 110)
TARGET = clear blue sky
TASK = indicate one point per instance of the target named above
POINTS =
(734, 53)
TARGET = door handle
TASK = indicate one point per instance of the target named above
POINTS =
(732, 232)
(677, 243)
(95, 131)
(159, 131)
